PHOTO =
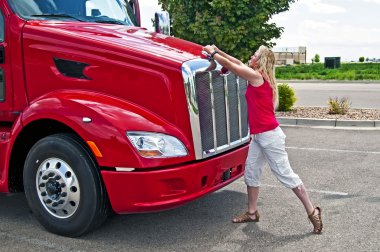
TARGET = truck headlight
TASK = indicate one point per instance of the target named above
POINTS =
(156, 145)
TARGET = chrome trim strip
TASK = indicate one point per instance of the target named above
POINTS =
(226, 147)
(189, 69)
(225, 83)
(213, 111)
(239, 109)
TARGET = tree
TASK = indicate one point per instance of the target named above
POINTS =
(238, 27)
(361, 59)
(317, 58)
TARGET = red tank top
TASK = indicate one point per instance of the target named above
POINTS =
(261, 117)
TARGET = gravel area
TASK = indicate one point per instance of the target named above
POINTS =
(323, 113)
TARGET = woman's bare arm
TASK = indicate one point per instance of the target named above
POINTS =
(229, 57)
(236, 66)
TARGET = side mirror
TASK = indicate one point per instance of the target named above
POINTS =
(162, 22)
(135, 6)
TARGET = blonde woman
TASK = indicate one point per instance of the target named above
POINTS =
(268, 140)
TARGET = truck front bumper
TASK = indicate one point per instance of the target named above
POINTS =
(147, 191)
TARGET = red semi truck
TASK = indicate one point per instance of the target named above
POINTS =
(99, 115)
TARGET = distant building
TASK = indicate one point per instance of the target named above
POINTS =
(290, 55)
(372, 60)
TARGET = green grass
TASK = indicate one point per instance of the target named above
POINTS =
(317, 71)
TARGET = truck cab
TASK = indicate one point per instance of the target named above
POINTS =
(99, 115)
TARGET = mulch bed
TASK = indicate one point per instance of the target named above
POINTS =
(323, 113)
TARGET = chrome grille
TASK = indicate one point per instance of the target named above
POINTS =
(222, 110)
(217, 108)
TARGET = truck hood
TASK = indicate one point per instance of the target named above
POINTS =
(133, 38)
(130, 63)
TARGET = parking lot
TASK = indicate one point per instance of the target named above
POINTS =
(340, 168)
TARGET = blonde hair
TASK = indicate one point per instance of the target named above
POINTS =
(266, 68)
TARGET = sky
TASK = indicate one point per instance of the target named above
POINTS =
(331, 28)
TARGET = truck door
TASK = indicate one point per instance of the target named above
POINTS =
(6, 97)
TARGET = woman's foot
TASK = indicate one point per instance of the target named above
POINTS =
(316, 219)
(247, 217)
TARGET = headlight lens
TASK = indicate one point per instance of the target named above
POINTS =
(156, 145)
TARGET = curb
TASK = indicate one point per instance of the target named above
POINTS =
(328, 122)
(331, 81)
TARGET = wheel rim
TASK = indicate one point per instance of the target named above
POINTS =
(58, 188)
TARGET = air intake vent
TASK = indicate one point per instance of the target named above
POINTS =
(73, 69)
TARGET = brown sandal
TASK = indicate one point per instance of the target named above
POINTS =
(245, 217)
(316, 220)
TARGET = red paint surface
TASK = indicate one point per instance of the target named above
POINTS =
(135, 84)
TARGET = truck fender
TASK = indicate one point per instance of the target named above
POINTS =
(104, 120)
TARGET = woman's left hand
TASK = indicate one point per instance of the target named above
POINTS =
(209, 49)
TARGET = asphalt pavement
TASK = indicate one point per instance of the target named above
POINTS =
(340, 168)
(316, 93)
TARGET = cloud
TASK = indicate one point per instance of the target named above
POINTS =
(306, 24)
(150, 3)
(317, 6)
(329, 33)
(372, 1)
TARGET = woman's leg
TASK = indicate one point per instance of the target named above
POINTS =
(273, 147)
(253, 168)
(252, 213)
(314, 213)
(302, 194)
(253, 196)
(254, 164)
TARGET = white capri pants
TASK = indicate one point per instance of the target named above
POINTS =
(269, 145)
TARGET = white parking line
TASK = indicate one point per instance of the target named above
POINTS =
(334, 150)
(309, 190)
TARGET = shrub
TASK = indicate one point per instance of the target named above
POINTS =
(286, 97)
(338, 106)
(361, 59)
(317, 58)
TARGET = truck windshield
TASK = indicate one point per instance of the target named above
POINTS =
(102, 11)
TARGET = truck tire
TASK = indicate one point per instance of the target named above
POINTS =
(63, 186)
